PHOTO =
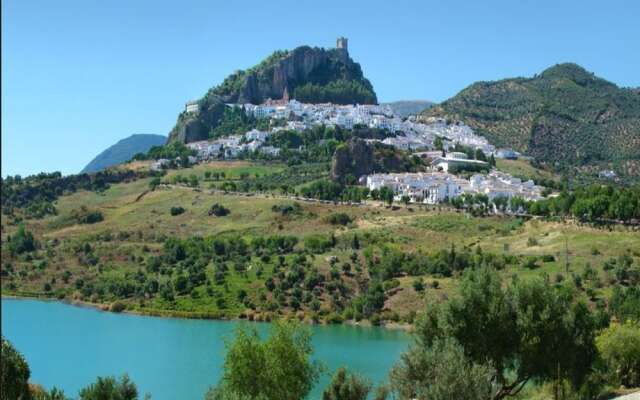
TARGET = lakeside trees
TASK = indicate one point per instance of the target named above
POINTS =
(278, 368)
(528, 331)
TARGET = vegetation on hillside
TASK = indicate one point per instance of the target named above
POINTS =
(564, 117)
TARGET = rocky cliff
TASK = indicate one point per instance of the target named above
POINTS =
(304, 73)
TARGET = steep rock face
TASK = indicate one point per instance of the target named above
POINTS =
(355, 158)
(194, 127)
(565, 116)
(283, 71)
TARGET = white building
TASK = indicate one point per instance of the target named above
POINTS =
(192, 107)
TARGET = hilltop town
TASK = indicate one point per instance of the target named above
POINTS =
(419, 138)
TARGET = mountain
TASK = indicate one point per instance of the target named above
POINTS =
(307, 74)
(565, 116)
(405, 108)
(123, 151)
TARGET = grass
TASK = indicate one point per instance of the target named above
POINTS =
(524, 169)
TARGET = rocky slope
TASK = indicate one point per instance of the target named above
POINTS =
(564, 116)
(123, 151)
(305, 73)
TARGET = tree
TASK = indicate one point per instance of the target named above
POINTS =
(346, 386)
(15, 374)
(153, 183)
(619, 347)
(492, 161)
(218, 210)
(441, 372)
(278, 368)
(526, 331)
(22, 242)
(108, 388)
(386, 195)
(438, 144)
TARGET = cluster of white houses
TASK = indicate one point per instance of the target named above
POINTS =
(411, 134)
(436, 187)
(232, 146)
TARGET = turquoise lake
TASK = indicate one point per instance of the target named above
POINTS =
(69, 346)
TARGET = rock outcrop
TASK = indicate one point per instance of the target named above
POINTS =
(322, 72)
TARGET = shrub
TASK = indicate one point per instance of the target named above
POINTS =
(218, 210)
(530, 263)
(392, 284)
(548, 258)
(177, 211)
(338, 219)
(619, 346)
(532, 241)
(118, 306)
(346, 386)
(22, 242)
(86, 216)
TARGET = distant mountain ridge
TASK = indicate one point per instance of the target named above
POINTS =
(308, 74)
(123, 151)
(565, 116)
(405, 108)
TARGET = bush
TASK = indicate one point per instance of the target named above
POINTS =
(22, 242)
(548, 258)
(118, 306)
(177, 211)
(530, 263)
(218, 210)
(619, 347)
(86, 216)
(346, 386)
(391, 284)
(338, 219)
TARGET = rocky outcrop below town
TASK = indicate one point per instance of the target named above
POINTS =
(308, 74)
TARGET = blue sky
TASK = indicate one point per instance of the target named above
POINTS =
(78, 75)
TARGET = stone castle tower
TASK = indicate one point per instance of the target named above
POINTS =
(342, 46)
(342, 43)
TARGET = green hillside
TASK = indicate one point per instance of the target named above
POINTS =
(565, 116)
(230, 239)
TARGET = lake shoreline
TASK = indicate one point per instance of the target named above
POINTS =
(186, 315)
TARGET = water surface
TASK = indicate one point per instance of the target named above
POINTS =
(68, 346)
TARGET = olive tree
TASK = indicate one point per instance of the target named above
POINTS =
(278, 368)
(528, 330)
(15, 374)
(110, 388)
(346, 386)
(441, 372)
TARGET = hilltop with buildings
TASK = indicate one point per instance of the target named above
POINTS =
(308, 74)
